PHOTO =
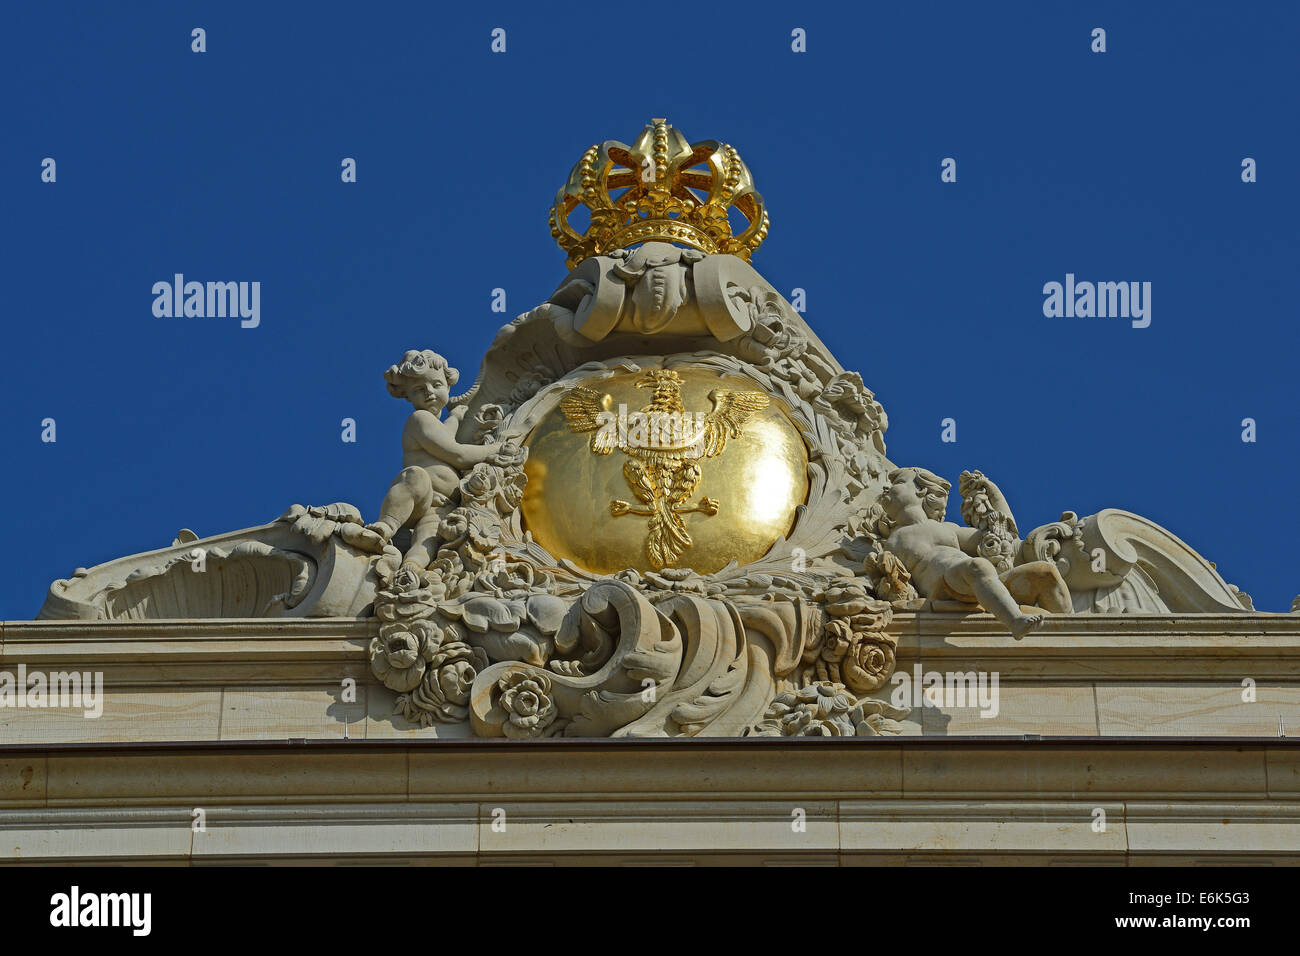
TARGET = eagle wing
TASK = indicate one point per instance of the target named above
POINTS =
(584, 411)
(730, 412)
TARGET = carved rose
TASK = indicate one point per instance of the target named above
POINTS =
(447, 577)
(526, 699)
(868, 663)
(406, 580)
(775, 336)
(851, 648)
(408, 596)
(682, 580)
(443, 694)
(400, 654)
(659, 584)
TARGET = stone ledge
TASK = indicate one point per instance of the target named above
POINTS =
(471, 770)
(1078, 647)
(1087, 675)
(648, 831)
(863, 800)
(171, 653)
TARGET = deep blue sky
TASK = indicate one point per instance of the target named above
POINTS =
(225, 166)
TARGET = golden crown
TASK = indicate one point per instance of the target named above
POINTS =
(659, 188)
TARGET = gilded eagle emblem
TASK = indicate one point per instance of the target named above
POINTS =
(665, 446)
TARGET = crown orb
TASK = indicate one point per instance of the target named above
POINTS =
(655, 497)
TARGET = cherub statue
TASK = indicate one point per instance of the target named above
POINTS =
(945, 559)
(432, 458)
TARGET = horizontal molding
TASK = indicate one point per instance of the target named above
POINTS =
(897, 768)
(716, 830)
(1155, 647)
(203, 652)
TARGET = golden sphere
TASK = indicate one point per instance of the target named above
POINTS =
(582, 505)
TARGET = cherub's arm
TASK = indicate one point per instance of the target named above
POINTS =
(438, 438)
(993, 532)
(980, 497)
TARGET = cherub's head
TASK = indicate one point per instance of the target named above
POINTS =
(422, 378)
(910, 486)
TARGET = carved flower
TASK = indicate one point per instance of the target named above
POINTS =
(482, 484)
(512, 580)
(484, 532)
(454, 527)
(399, 655)
(776, 336)
(838, 640)
(891, 579)
(852, 650)
(868, 663)
(818, 710)
(509, 455)
(472, 533)
(847, 597)
(826, 710)
(407, 596)
(406, 580)
(526, 699)
(447, 577)
(512, 489)
(443, 694)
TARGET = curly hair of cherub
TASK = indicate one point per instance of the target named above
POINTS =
(414, 366)
(935, 503)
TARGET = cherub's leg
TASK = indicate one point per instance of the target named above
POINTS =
(1040, 584)
(424, 538)
(408, 497)
(977, 576)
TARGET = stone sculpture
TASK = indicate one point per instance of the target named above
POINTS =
(770, 614)
(421, 496)
(945, 561)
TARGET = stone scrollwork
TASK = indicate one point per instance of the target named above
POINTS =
(611, 647)
(1119, 562)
